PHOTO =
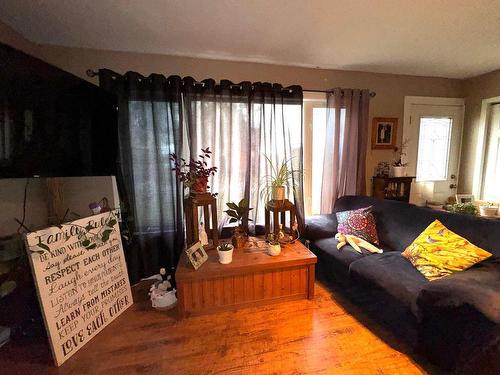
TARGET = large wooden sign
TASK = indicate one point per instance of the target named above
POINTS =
(81, 279)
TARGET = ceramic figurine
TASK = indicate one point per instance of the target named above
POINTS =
(203, 237)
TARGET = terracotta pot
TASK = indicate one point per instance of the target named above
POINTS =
(239, 239)
(200, 185)
(278, 193)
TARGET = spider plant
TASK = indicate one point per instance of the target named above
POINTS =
(273, 185)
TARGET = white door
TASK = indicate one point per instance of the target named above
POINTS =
(433, 130)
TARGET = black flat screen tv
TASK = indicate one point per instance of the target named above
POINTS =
(52, 123)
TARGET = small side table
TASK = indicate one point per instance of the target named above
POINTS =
(209, 204)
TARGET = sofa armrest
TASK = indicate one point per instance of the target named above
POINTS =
(320, 226)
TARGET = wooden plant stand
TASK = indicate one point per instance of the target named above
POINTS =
(209, 205)
(279, 210)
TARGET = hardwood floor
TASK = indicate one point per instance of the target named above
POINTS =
(299, 337)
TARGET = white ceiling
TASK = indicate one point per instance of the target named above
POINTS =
(447, 38)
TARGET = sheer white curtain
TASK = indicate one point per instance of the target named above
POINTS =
(242, 123)
(345, 145)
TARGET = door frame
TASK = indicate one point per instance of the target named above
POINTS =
(481, 146)
(435, 101)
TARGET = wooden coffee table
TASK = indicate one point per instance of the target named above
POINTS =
(253, 278)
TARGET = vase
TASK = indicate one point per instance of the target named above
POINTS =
(397, 171)
(278, 193)
(225, 256)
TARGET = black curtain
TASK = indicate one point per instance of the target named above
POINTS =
(149, 129)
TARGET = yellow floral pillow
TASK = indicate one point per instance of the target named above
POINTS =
(438, 252)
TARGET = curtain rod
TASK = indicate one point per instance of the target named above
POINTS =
(372, 93)
(91, 73)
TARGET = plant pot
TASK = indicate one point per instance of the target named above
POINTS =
(199, 185)
(274, 249)
(239, 240)
(488, 211)
(278, 193)
(226, 256)
(397, 171)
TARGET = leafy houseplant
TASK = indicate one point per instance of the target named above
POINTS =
(194, 174)
(237, 213)
(225, 252)
(462, 208)
(281, 178)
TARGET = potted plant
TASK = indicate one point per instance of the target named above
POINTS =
(237, 213)
(194, 174)
(398, 166)
(462, 208)
(488, 209)
(274, 246)
(225, 252)
(275, 185)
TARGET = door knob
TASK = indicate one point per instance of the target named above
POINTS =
(453, 176)
(453, 186)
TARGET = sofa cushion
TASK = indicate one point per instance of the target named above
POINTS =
(438, 252)
(393, 273)
(478, 287)
(320, 226)
(359, 223)
(326, 249)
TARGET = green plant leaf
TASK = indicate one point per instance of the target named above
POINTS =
(232, 205)
(243, 203)
(7, 287)
(232, 213)
(112, 223)
(85, 243)
(89, 227)
(92, 246)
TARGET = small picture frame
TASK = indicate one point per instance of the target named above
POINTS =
(464, 198)
(196, 255)
(384, 131)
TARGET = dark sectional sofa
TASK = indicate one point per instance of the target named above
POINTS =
(455, 319)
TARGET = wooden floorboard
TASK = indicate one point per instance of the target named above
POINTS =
(297, 337)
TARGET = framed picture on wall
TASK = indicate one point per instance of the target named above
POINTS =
(384, 131)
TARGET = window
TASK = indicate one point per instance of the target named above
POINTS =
(433, 148)
(314, 149)
(491, 175)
